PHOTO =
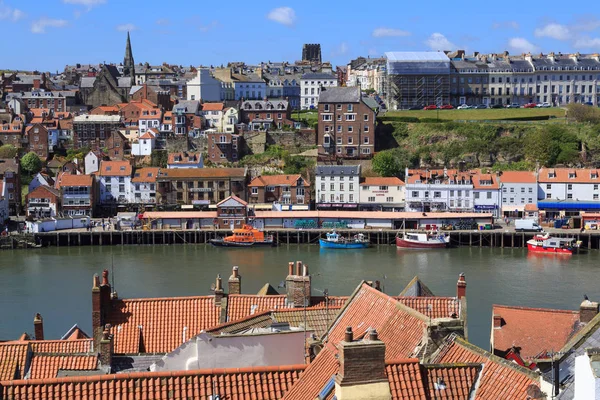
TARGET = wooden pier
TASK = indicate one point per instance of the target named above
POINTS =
(497, 238)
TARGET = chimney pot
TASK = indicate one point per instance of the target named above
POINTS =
(38, 327)
(587, 311)
(305, 270)
(105, 277)
(219, 283)
(291, 268)
(96, 282)
(497, 321)
(373, 336)
(348, 335)
(235, 271)
(461, 286)
(298, 268)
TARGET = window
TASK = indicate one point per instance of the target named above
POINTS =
(366, 117)
(254, 190)
(350, 117)
(351, 186)
(476, 195)
(522, 190)
(548, 186)
(350, 140)
(342, 197)
(326, 107)
(437, 195)
(504, 199)
(504, 189)
(512, 190)
(339, 140)
(569, 195)
(350, 128)
(351, 198)
(322, 186)
(327, 117)
(595, 196)
(489, 195)
(332, 186)
(332, 197)
(548, 196)
(350, 108)
(371, 199)
(342, 186)
(415, 194)
(530, 190)
(569, 187)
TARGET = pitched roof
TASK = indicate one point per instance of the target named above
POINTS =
(517, 177)
(147, 174)
(212, 107)
(569, 175)
(74, 180)
(148, 135)
(62, 346)
(490, 179)
(43, 190)
(13, 356)
(45, 366)
(339, 94)
(156, 325)
(499, 379)
(115, 168)
(433, 307)
(406, 379)
(459, 380)
(200, 173)
(235, 198)
(184, 158)
(266, 383)
(382, 181)
(267, 289)
(520, 328)
(276, 180)
(416, 288)
(242, 305)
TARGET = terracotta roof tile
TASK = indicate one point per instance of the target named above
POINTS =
(74, 180)
(517, 177)
(316, 375)
(520, 328)
(563, 175)
(157, 325)
(212, 107)
(242, 305)
(499, 378)
(531, 207)
(451, 381)
(47, 366)
(203, 173)
(276, 180)
(264, 383)
(148, 174)
(115, 168)
(405, 379)
(12, 359)
(62, 346)
(433, 307)
(382, 181)
(183, 158)
(233, 197)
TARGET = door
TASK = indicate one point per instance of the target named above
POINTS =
(231, 224)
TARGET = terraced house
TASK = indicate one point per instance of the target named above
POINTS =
(283, 189)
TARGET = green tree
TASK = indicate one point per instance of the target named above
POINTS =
(159, 158)
(386, 164)
(31, 163)
(8, 151)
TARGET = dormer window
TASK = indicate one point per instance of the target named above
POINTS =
(594, 175)
(551, 175)
(572, 175)
(122, 168)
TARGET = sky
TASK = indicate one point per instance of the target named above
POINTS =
(49, 34)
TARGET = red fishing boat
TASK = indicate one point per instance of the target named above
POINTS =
(544, 243)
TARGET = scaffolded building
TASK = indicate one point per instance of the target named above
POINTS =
(417, 79)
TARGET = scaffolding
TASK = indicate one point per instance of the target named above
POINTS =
(417, 79)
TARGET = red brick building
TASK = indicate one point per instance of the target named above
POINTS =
(259, 115)
(94, 130)
(223, 147)
(12, 133)
(10, 170)
(37, 137)
(346, 124)
(231, 213)
(43, 202)
(284, 189)
(155, 94)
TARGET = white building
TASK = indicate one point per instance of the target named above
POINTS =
(337, 186)
(587, 375)
(143, 189)
(145, 144)
(150, 118)
(213, 115)
(3, 201)
(486, 194)
(92, 161)
(249, 87)
(568, 191)
(519, 188)
(114, 179)
(382, 194)
(205, 87)
(310, 88)
(40, 179)
(231, 117)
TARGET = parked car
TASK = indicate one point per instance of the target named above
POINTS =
(522, 225)
(513, 105)
(447, 107)
(543, 105)
(481, 106)
(464, 107)
(430, 107)
(413, 108)
(530, 105)
(499, 105)
(588, 103)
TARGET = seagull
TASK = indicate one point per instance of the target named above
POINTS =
(585, 297)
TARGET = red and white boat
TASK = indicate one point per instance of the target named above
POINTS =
(409, 240)
(544, 243)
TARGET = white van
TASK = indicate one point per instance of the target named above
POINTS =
(522, 225)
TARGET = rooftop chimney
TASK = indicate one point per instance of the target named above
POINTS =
(497, 321)
(38, 327)
(235, 281)
(101, 299)
(106, 347)
(587, 311)
(298, 285)
(218, 290)
(461, 286)
(362, 369)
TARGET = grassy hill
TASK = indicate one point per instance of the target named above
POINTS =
(479, 115)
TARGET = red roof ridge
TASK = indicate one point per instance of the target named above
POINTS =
(402, 361)
(168, 298)
(257, 295)
(158, 374)
(551, 310)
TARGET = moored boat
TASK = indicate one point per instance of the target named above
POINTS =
(410, 240)
(335, 241)
(247, 236)
(544, 243)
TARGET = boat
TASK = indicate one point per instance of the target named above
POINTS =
(424, 240)
(246, 236)
(544, 243)
(335, 241)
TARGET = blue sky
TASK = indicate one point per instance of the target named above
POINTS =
(52, 33)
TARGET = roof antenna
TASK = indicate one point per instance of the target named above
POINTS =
(112, 272)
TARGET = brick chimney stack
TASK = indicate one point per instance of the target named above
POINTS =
(461, 286)
(106, 347)
(219, 293)
(497, 321)
(38, 327)
(96, 306)
(235, 281)
(362, 368)
(587, 311)
(298, 285)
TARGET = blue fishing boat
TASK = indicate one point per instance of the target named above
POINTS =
(335, 241)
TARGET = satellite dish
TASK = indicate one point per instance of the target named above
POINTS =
(213, 287)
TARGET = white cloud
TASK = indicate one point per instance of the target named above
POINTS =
(387, 32)
(506, 25)
(41, 24)
(10, 13)
(586, 42)
(283, 15)
(88, 3)
(554, 31)
(437, 41)
(522, 45)
(126, 27)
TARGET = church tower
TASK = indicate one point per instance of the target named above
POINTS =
(128, 63)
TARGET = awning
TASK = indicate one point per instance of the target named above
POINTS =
(187, 207)
(563, 205)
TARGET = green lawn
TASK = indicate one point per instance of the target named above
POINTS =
(485, 114)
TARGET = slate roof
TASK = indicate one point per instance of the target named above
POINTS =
(346, 170)
(187, 107)
(340, 95)
(500, 379)
(266, 383)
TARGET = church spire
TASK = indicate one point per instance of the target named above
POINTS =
(128, 63)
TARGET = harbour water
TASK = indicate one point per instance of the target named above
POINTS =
(56, 282)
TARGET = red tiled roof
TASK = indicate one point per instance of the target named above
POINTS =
(382, 181)
(212, 107)
(183, 158)
(42, 190)
(47, 366)
(115, 168)
(147, 174)
(242, 305)
(316, 375)
(265, 383)
(233, 197)
(458, 380)
(517, 177)
(157, 325)
(12, 359)
(582, 175)
(499, 378)
(62, 346)
(406, 380)
(147, 135)
(521, 328)
(203, 173)
(531, 207)
(74, 180)
(276, 180)
(478, 178)
(433, 307)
